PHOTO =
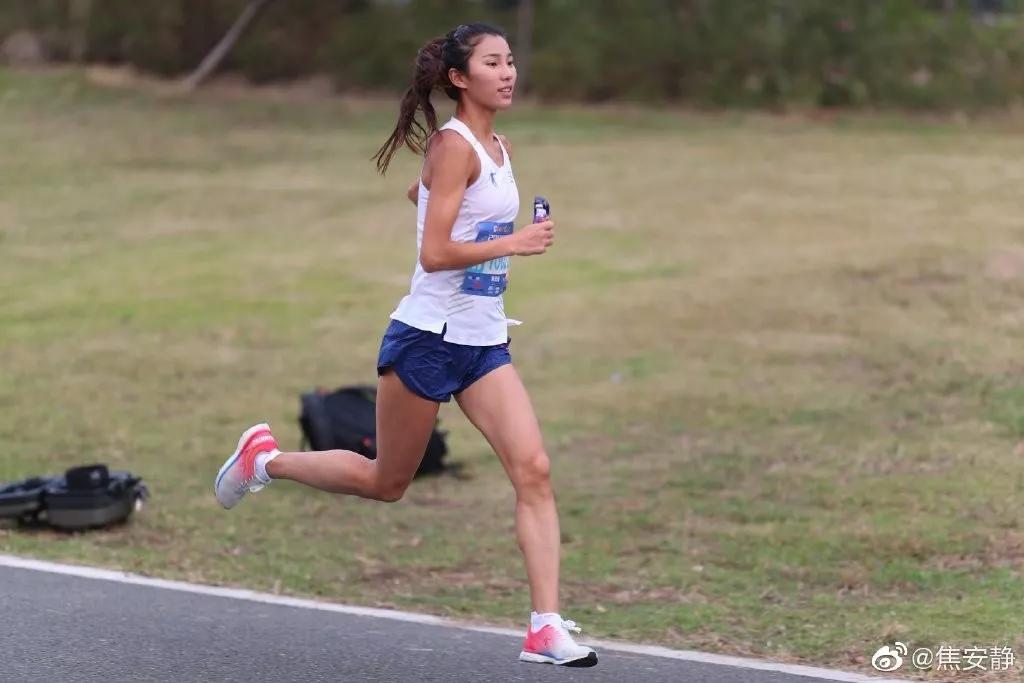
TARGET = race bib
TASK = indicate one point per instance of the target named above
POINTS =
(491, 277)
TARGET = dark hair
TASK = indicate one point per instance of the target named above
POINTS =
(431, 71)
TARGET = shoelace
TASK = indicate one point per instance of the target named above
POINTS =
(247, 484)
(569, 625)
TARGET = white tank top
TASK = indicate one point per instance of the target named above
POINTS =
(469, 301)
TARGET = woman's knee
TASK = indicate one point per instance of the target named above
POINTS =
(531, 471)
(390, 490)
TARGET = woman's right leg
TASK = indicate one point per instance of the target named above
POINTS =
(404, 423)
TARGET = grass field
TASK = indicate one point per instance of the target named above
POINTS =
(777, 362)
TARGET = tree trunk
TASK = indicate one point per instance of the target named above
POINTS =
(226, 44)
(78, 14)
(524, 43)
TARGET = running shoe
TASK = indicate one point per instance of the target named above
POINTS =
(552, 644)
(237, 476)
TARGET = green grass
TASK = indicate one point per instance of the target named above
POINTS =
(777, 362)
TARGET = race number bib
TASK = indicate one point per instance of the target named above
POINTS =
(491, 277)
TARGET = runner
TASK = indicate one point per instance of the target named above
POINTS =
(449, 335)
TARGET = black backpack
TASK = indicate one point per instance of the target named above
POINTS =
(347, 419)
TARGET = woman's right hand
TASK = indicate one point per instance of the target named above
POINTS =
(534, 238)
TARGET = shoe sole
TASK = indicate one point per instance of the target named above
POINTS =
(589, 660)
(234, 457)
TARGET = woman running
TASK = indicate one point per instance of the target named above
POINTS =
(449, 335)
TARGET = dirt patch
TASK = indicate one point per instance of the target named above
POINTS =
(1005, 551)
(1006, 265)
(619, 594)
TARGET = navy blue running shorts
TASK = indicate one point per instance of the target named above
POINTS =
(432, 367)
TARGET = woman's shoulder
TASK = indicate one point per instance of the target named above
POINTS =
(449, 150)
(449, 142)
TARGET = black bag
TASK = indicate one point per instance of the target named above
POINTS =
(92, 496)
(23, 500)
(85, 497)
(347, 419)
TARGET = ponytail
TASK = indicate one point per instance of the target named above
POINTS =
(430, 73)
(432, 64)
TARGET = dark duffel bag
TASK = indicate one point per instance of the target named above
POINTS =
(92, 496)
(23, 500)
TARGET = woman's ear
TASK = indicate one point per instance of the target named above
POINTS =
(458, 79)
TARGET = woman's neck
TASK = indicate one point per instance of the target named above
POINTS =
(479, 120)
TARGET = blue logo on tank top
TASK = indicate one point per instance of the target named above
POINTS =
(491, 277)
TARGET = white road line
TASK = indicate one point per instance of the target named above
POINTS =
(267, 598)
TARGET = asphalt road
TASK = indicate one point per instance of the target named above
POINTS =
(56, 627)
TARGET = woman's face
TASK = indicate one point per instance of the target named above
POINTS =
(492, 74)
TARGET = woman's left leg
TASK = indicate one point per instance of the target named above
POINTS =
(498, 405)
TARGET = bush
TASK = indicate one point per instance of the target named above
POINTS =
(374, 48)
(751, 53)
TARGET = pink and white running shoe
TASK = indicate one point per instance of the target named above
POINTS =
(551, 644)
(237, 476)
